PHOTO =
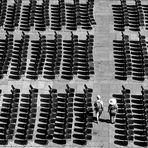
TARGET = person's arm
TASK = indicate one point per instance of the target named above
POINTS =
(102, 105)
(109, 108)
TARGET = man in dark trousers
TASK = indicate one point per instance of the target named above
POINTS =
(112, 109)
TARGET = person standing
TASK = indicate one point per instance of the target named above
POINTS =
(98, 106)
(112, 109)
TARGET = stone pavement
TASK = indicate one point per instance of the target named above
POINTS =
(103, 83)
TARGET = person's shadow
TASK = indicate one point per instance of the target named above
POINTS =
(104, 120)
(101, 120)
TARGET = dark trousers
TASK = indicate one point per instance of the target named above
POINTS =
(112, 118)
(98, 113)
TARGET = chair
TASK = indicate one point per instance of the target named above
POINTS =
(80, 142)
(41, 141)
(21, 141)
(59, 141)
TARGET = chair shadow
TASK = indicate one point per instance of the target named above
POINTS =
(101, 120)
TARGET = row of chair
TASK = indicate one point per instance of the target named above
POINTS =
(132, 16)
(26, 117)
(139, 109)
(122, 122)
(3, 8)
(130, 58)
(38, 16)
(83, 116)
(56, 117)
(131, 118)
(52, 119)
(6, 46)
(11, 15)
(8, 115)
(18, 57)
(46, 57)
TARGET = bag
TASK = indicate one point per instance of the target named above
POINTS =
(113, 109)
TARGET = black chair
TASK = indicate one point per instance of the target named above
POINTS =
(59, 141)
(80, 142)
(41, 141)
(20, 141)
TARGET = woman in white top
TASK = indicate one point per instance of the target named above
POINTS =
(112, 109)
(98, 106)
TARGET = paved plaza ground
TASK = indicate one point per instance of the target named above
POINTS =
(103, 82)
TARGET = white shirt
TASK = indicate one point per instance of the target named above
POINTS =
(99, 101)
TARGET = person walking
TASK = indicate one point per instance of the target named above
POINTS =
(98, 106)
(112, 109)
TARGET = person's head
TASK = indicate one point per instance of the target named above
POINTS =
(112, 101)
(98, 97)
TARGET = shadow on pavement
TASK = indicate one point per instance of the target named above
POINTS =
(104, 120)
(101, 120)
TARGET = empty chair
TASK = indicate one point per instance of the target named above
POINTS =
(59, 141)
(80, 142)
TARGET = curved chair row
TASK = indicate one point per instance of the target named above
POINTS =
(131, 118)
(44, 16)
(78, 57)
(26, 117)
(46, 57)
(6, 46)
(8, 115)
(22, 120)
(83, 117)
(123, 122)
(18, 57)
(131, 16)
(130, 58)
